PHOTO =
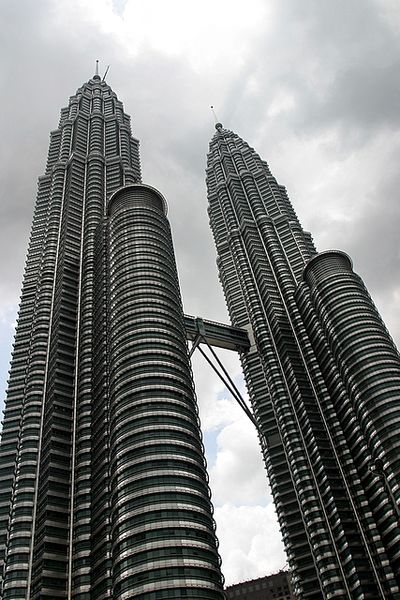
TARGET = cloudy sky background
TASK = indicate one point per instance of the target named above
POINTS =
(313, 85)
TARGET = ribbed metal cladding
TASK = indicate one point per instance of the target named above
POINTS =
(369, 365)
(337, 517)
(163, 542)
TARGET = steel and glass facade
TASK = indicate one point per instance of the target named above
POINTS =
(324, 380)
(103, 486)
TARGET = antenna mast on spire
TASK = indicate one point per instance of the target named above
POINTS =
(214, 114)
(218, 125)
(104, 76)
(97, 68)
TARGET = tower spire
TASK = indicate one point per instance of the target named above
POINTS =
(96, 75)
(218, 125)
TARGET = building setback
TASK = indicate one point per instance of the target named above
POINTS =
(103, 487)
(324, 381)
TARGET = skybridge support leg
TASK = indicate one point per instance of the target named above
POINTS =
(224, 376)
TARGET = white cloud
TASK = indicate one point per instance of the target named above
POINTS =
(203, 34)
(250, 542)
(237, 476)
(217, 407)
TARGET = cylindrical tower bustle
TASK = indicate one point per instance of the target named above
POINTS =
(369, 366)
(163, 532)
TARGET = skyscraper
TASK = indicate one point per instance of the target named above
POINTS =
(324, 381)
(103, 487)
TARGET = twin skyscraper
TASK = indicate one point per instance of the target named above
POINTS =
(103, 486)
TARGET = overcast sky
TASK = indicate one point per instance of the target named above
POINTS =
(312, 85)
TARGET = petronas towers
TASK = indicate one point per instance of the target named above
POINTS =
(103, 484)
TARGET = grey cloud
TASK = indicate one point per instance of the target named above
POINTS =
(365, 96)
(338, 61)
(374, 236)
